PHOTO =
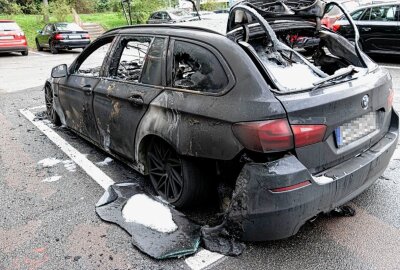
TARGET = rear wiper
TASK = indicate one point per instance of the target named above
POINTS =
(340, 74)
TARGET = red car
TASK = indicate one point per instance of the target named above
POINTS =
(12, 38)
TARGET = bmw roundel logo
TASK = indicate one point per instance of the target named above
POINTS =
(365, 102)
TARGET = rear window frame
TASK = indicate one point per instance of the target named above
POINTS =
(224, 64)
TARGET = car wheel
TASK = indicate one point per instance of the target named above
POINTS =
(25, 53)
(50, 111)
(176, 179)
(38, 46)
(53, 49)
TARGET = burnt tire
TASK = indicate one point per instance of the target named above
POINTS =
(38, 47)
(52, 47)
(177, 179)
(50, 111)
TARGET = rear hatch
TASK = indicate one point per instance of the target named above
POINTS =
(10, 33)
(338, 87)
(70, 31)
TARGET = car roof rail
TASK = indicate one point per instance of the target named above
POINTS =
(169, 26)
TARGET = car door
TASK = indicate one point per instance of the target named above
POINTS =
(45, 35)
(381, 32)
(136, 77)
(76, 90)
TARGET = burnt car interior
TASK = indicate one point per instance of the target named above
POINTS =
(195, 68)
(286, 37)
(133, 52)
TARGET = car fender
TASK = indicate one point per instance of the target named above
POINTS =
(189, 133)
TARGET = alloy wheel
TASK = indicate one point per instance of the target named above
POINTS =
(165, 170)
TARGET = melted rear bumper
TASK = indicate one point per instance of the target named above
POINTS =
(266, 215)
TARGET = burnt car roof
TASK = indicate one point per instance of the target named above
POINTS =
(160, 29)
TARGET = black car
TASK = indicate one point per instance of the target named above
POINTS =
(61, 35)
(290, 137)
(379, 27)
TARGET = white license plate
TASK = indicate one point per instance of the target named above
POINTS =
(7, 37)
(356, 129)
(74, 36)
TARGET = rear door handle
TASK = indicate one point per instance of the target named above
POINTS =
(136, 100)
(87, 89)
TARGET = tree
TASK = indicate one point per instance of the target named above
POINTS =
(46, 11)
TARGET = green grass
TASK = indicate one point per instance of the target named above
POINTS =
(31, 23)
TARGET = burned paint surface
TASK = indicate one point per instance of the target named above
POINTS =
(184, 241)
(256, 213)
(195, 123)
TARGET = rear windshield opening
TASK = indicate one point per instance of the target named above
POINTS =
(9, 26)
(295, 55)
(68, 27)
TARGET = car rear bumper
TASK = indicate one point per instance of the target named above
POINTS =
(267, 215)
(13, 48)
(70, 44)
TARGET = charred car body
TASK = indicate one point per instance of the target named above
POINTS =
(302, 135)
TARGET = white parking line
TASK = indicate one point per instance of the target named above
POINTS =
(94, 172)
(38, 53)
(201, 260)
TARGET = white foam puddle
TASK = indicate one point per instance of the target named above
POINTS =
(49, 162)
(143, 210)
(52, 179)
(69, 165)
(105, 162)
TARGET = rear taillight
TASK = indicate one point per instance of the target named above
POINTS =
(336, 27)
(265, 136)
(277, 135)
(59, 37)
(86, 36)
(308, 134)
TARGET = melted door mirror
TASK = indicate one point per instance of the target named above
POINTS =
(60, 71)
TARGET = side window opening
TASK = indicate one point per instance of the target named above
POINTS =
(366, 15)
(385, 13)
(132, 51)
(196, 68)
(92, 64)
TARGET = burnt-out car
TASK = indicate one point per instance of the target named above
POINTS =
(290, 136)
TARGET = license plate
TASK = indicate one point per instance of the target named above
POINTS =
(74, 36)
(7, 37)
(356, 129)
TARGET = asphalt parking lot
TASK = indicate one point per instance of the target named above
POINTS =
(47, 199)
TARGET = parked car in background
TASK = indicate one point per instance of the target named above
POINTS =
(292, 136)
(218, 11)
(12, 38)
(335, 13)
(62, 35)
(379, 27)
(171, 16)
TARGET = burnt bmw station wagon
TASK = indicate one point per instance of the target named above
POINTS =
(293, 135)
